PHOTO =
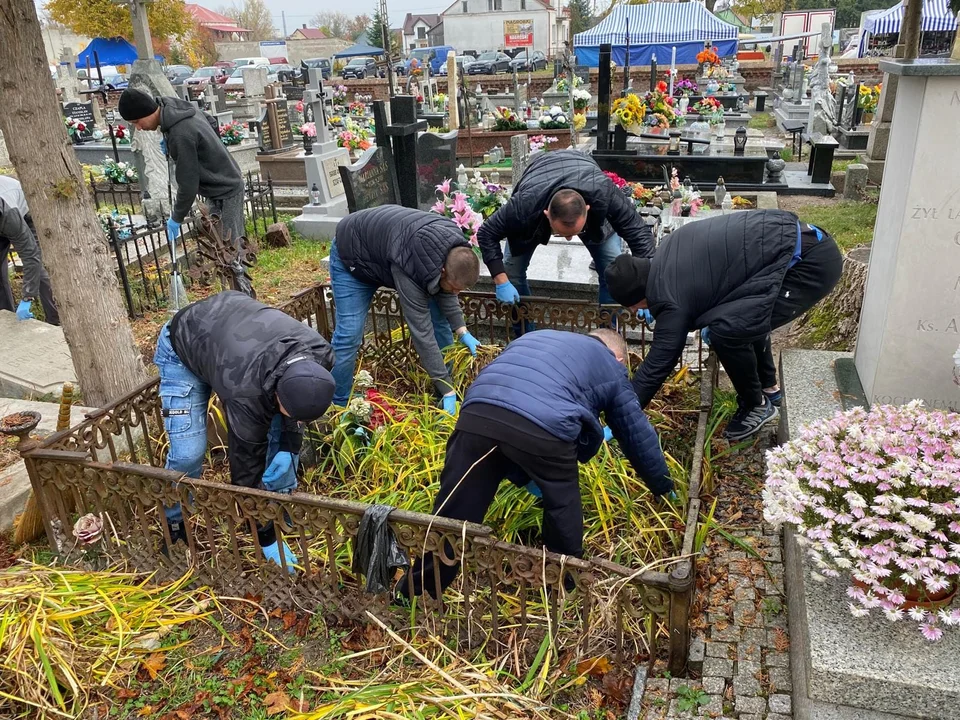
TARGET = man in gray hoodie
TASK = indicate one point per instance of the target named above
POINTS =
(204, 165)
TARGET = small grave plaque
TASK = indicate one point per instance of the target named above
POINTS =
(293, 92)
(266, 136)
(331, 168)
(283, 132)
(436, 162)
(369, 182)
(82, 112)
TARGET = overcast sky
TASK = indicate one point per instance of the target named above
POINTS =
(299, 12)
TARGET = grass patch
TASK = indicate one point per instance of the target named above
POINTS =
(281, 272)
(762, 121)
(786, 154)
(840, 166)
(850, 223)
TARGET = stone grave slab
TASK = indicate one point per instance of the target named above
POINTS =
(14, 482)
(34, 358)
(847, 668)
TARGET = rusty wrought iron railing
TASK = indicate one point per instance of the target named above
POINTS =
(111, 464)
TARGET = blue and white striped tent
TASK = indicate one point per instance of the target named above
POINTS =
(655, 29)
(936, 17)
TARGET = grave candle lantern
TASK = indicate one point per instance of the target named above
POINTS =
(740, 140)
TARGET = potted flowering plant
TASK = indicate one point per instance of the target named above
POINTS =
(540, 142)
(629, 112)
(75, 128)
(455, 206)
(120, 173)
(874, 496)
(554, 119)
(685, 87)
(867, 101)
(339, 96)
(231, 133)
(581, 100)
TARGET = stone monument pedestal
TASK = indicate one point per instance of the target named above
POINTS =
(910, 325)
(323, 170)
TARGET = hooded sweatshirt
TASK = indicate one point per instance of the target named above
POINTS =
(204, 165)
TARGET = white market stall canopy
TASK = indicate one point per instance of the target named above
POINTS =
(655, 29)
(936, 17)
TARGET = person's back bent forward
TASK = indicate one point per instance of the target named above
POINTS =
(531, 416)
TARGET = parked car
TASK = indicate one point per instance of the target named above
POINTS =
(235, 81)
(359, 68)
(198, 82)
(285, 73)
(490, 63)
(326, 68)
(258, 60)
(117, 82)
(526, 60)
(462, 62)
(177, 74)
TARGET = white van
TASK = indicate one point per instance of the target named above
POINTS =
(250, 61)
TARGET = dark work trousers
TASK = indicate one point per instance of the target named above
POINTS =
(557, 478)
(7, 301)
(749, 363)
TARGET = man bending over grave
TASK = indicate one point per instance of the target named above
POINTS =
(735, 278)
(428, 261)
(530, 417)
(204, 165)
(17, 232)
(560, 193)
(271, 373)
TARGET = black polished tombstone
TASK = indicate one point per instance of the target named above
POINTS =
(820, 165)
(369, 182)
(603, 98)
(436, 162)
(403, 131)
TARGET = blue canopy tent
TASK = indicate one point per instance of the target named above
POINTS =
(936, 16)
(359, 50)
(110, 51)
(655, 29)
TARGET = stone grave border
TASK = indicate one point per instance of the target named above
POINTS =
(112, 464)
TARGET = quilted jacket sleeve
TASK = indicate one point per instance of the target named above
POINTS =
(638, 439)
(669, 339)
(494, 229)
(629, 225)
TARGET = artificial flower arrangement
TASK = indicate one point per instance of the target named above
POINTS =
(869, 98)
(367, 412)
(660, 104)
(456, 207)
(579, 121)
(708, 57)
(875, 498)
(689, 201)
(74, 127)
(581, 100)
(685, 87)
(540, 142)
(440, 102)
(708, 106)
(629, 110)
(507, 119)
(357, 108)
(299, 106)
(637, 193)
(119, 172)
(354, 137)
(562, 83)
(554, 119)
(339, 94)
(485, 197)
(309, 129)
(336, 120)
(231, 133)
(121, 133)
(716, 72)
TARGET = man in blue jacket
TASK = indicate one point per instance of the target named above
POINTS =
(531, 416)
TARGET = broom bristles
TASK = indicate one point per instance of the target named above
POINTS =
(29, 524)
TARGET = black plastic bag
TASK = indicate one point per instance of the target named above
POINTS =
(378, 555)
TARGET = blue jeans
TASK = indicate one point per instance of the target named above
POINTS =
(352, 299)
(602, 254)
(185, 398)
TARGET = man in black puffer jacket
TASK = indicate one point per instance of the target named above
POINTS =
(564, 193)
(204, 165)
(531, 416)
(427, 260)
(271, 373)
(736, 278)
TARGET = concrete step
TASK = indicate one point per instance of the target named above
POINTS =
(35, 360)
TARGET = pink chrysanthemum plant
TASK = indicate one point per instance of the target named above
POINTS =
(875, 497)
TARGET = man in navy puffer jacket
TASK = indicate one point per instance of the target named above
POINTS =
(531, 416)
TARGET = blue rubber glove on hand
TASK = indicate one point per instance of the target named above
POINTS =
(607, 434)
(281, 475)
(534, 489)
(450, 404)
(471, 342)
(272, 553)
(507, 293)
(173, 229)
(646, 317)
(705, 335)
(23, 310)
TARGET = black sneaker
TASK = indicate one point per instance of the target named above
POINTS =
(749, 420)
(776, 397)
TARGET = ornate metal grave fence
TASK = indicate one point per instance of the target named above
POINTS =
(112, 465)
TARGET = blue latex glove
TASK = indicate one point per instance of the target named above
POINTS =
(163, 145)
(646, 317)
(534, 489)
(507, 293)
(471, 342)
(23, 310)
(705, 335)
(173, 229)
(607, 434)
(281, 475)
(450, 404)
(272, 553)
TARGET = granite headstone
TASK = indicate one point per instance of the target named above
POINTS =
(436, 162)
(369, 183)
